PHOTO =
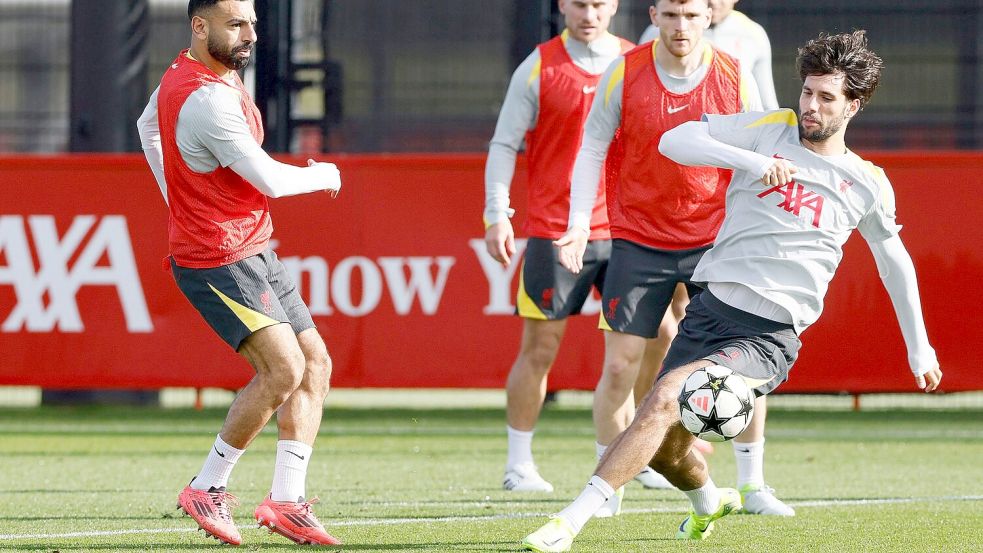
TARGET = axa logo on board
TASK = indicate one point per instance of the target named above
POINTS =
(45, 292)
(46, 295)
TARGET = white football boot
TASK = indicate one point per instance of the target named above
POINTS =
(525, 477)
(653, 480)
(761, 500)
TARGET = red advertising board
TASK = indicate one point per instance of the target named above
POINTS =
(395, 273)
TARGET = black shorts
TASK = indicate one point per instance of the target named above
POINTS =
(239, 299)
(547, 290)
(640, 284)
(759, 349)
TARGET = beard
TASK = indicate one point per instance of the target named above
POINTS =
(229, 56)
(823, 132)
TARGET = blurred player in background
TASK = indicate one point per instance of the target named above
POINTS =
(663, 216)
(738, 35)
(796, 196)
(201, 134)
(546, 105)
(734, 33)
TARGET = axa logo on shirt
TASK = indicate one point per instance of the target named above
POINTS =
(795, 198)
(46, 297)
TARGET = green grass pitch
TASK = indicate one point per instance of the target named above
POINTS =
(424, 479)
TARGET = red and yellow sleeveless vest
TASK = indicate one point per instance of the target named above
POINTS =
(565, 96)
(216, 218)
(658, 202)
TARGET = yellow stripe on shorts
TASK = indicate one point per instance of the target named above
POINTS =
(527, 307)
(252, 319)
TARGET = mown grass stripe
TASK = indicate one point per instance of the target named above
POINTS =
(504, 516)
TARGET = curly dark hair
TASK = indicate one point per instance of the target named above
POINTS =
(847, 54)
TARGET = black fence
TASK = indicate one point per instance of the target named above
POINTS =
(429, 75)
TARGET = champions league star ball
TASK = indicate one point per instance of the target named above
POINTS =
(715, 404)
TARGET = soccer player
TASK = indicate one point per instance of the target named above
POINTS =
(663, 216)
(734, 33)
(546, 105)
(796, 196)
(201, 134)
(740, 36)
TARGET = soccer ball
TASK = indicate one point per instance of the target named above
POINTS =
(715, 403)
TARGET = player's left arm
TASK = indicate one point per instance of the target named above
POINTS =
(750, 93)
(880, 228)
(602, 122)
(215, 118)
(897, 273)
(763, 74)
(150, 141)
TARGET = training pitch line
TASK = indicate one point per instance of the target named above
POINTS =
(404, 521)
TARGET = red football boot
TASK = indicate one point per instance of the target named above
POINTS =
(212, 510)
(295, 521)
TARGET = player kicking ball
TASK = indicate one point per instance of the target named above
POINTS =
(796, 196)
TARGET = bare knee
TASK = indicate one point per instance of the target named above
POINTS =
(659, 408)
(317, 378)
(283, 374)
(537, 355)
(622, 370)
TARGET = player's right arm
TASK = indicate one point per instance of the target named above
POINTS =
(727, 142)
(602, 122)
(213, 120)
(517, 116)
(150, 141)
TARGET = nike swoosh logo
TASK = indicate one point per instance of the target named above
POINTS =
(220, 454)
(672, 110)
(552, 543)
(589, 89)
(301, 457)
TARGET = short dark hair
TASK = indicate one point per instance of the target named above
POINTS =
(845, 53)
(197, 6)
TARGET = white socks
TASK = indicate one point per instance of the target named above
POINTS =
(520, 447)
(750, 459)
(289, 474)
(600, 449)
(587, 503)
(705, 499)
(290, 471)
(218, 466)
